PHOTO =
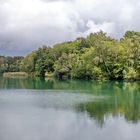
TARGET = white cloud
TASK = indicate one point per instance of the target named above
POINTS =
(27, 24)
(105, 26)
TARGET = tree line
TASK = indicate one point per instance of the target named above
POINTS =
(10, 64)
(97, 56)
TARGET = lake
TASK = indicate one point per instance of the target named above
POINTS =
(35, 109)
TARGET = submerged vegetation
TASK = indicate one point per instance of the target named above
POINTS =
(95, 57)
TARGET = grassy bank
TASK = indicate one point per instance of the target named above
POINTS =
(15, 74)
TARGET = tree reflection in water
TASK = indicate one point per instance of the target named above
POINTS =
(124, 101)
(123, 98)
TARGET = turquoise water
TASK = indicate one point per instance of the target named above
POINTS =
(34, 109)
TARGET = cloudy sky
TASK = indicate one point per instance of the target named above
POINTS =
(27, 24)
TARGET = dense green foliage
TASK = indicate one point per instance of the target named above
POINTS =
(95, 57)
(10, 64)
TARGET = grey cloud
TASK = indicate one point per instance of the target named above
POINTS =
(26, 25)
(56, 0)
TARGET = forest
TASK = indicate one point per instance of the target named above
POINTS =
(10, 64)
(96, 57)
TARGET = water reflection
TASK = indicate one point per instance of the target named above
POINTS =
(64, 110)
(124, 101)
(126, 105)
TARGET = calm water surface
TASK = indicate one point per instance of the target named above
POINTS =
(34, 109)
